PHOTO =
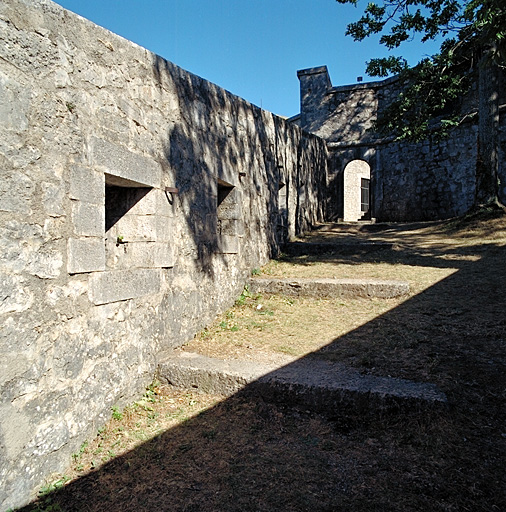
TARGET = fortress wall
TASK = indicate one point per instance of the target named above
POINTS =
(410, 181)
(135, 199)
(427, 180)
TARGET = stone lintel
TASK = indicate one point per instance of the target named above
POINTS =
(118, 161)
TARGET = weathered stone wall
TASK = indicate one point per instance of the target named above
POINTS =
(135, 199)
(423, 181)
(426, 181)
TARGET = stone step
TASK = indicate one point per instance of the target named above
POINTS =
(317, 385)
(343, 248)
(360, 222)
(364, 288)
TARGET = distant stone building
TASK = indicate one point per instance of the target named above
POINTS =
(376, 177)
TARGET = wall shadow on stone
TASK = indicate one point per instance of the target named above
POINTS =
(279, 458)
(119, 201)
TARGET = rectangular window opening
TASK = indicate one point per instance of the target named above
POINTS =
(224, 190)
(228, 212)
(364, 194)
(129, 230)
(119, 200)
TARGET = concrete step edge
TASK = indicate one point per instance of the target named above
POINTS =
(319, 386)
(326, 287)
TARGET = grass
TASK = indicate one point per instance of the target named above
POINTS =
(182, 451)
(363, 333)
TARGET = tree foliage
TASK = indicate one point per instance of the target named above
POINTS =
(473, 34)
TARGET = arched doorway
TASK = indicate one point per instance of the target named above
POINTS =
(356, 190)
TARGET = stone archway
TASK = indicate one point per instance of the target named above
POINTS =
(356, 191)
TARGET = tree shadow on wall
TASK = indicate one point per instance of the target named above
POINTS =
(217, 141)
(201, 150)
(218, 137)
(247, 454)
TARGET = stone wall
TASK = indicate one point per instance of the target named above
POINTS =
(135, 199)
(409, 181)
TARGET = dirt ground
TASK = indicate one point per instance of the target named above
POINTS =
(179, 450)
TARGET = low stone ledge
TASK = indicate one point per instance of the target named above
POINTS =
(321, 386)
(209, 375)
(320, 288)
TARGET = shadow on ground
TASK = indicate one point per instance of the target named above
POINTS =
(245, 454)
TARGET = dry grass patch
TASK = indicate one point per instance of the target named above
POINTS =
(241, 454)
(449, 265)
(259, 327)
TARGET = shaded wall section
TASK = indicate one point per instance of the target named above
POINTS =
(135, 200)
(410, 181)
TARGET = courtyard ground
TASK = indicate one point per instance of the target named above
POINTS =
(178, 450)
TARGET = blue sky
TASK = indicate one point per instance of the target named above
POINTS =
(253, 48)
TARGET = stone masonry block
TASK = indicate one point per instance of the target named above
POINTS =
(116, 285)
(165, 203)
(136, 228)
(231, 227)
(88, 219)
(228, 244)
(211, 223)
(16, 191)
(155, 202)
(233, 197)
(229, 211)
(163, 229)
(85, 255)
(14, 104)
(164, 256)
(53, 198)
(150, 255)
(146, 205)
(143, 228)
(239, 227)
(205, 227)
(119, 161)
(87, 185)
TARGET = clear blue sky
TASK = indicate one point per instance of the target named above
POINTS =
(253, 48)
